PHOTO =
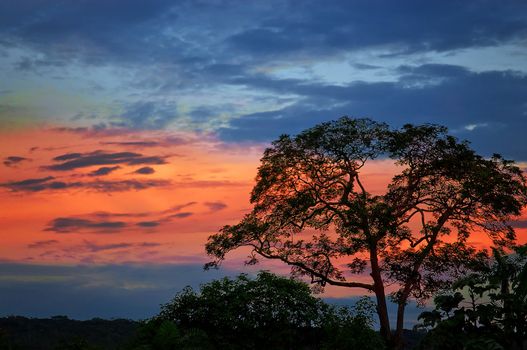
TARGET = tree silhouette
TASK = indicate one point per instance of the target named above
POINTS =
(491, 313)
(313, 211)
(266, 312)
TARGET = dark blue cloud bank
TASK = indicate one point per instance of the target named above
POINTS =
(250, 71)
(84, 292)
(111, 291)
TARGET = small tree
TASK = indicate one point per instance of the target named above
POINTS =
(312, 209)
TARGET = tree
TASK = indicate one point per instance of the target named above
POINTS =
(267, 312)
(485, 309)
(312, 209)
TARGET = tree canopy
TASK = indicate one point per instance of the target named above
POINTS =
(266, 312)
(312, 209)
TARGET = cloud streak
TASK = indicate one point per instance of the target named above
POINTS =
(72, 161)
(49, 183)
(106, 222)
(104, 171)
(145, 171)
(78, 225)
(13, 161)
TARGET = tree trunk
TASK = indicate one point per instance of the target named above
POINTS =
(378, 288)
(398, 336)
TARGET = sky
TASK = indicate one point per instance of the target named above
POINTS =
(130, 130)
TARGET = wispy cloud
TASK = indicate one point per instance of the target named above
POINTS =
(145, 171)
(72, 161)
(107, 222)
(12, 161)
(215, 206)
(104, 171)
(72, 224)
(49, 183)
(42, 244)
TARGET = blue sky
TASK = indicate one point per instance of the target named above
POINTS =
(242, 73)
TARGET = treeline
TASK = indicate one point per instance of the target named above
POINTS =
(61, 333)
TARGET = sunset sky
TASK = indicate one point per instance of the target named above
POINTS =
(132, 130)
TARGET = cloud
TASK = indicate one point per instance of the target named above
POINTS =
(181, 215)
(12, 161)
(179, 207)
(42, 244)
(103, 130)
(39, 184)
(107, 222)
(148, 224)
(72, 161)
(146, 115)
(104, 171)
(215, 206)
(410, 26)
(96, 247)
(431, 93)
(124, 185)
(94, 131)
(107, 186)
(145, 171)
(209, 183)
(78, 225)
(103, 33)
(86, 291)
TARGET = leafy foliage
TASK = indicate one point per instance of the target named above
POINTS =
(486, 310)
(268, 312)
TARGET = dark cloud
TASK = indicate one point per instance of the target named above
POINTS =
(40, 184)
(179, 207)
(125, 185)
(97, 247)
(72, 161)
(148, 224)
(97, 33)
(181, 215)
(104, 171)
(42, 244)
(145, 170)
(67, 156)
(78, 225)
(87, 291)
(407, 26)
(487, 108)
(14, 160)
(215, 206)
(85, 30)
(47, 184)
